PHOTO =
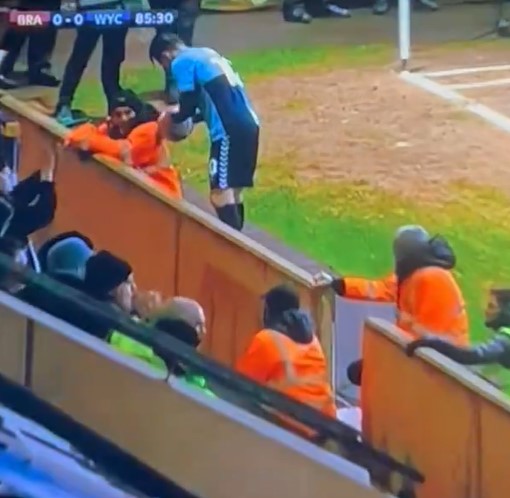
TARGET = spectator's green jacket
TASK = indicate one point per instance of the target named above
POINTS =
(130, 347)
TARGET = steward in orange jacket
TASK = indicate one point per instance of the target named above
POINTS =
(130, 135)
(287, 356)
(427, 297)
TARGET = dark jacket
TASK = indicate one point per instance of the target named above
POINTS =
(494, 351)
(34, 202)
(296, 324)
(69, 310)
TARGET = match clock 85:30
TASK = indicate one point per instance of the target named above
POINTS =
(150, 19)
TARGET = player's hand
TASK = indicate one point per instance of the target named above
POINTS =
(322, 278)
(125, 154)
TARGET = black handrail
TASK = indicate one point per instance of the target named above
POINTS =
(328, 429)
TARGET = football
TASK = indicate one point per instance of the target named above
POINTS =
(180, 131)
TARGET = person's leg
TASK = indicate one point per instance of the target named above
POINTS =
(114, 54)
(84, 45)
(327, 8)
(221, 195)
(430, 5)
(243, 160)
(188, 13)
(11, 45)
(295, 11)
(40, 49)
(381, 7)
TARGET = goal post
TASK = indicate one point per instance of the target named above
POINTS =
(404, 32)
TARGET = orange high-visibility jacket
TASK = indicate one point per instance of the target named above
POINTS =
(429, 301)
(147, 151)
(297, 370)
(383, 290)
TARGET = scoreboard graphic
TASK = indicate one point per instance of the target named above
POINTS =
(92, 19)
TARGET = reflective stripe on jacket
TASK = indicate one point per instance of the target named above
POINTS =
(297, 370)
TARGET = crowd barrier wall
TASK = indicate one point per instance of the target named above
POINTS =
(436, 415)
(173, 246)
(205, 445)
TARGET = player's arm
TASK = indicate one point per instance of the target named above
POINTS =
(183, 77)
(187, 108)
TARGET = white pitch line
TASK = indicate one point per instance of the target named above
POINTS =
(468, 70)
(479, 84)
(493, 117)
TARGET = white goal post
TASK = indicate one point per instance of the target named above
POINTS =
(404, 32)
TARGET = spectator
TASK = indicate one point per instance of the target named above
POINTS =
(286, 355)
(33, 200)
(496, 350)
(65, 256)
(110, 279)
(182, 319)
(13, 249)
(62, 258)
(131, 134)
(427, 297)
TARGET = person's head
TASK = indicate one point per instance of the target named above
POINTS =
(108, 277)
(277, 301)
(164, 48)
(123, 110)
(184, 310)
(182, 331)
(409, 241)
(497, 310)
(69, 257)
(14, 249)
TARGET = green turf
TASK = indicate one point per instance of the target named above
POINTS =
(348, 227)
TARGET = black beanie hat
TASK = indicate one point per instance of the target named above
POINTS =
(125, 98)
(280, 299)
(105, 272)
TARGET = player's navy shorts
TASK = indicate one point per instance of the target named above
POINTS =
(233, 160)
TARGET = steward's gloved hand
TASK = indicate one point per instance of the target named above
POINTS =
(424, 342)
(326, 280)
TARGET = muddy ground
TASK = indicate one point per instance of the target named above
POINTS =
(372, 128)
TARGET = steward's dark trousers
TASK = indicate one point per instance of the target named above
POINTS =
(188, 12)
(114, 53)
(40, 43)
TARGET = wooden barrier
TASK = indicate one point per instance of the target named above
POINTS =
(205, 445)
(172, 245)
(435, 414)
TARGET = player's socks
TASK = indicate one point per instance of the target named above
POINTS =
(240, 210)
(229, 214)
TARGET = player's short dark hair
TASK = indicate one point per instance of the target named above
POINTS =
(161, 43)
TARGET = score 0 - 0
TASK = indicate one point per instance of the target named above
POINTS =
(75, 20)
